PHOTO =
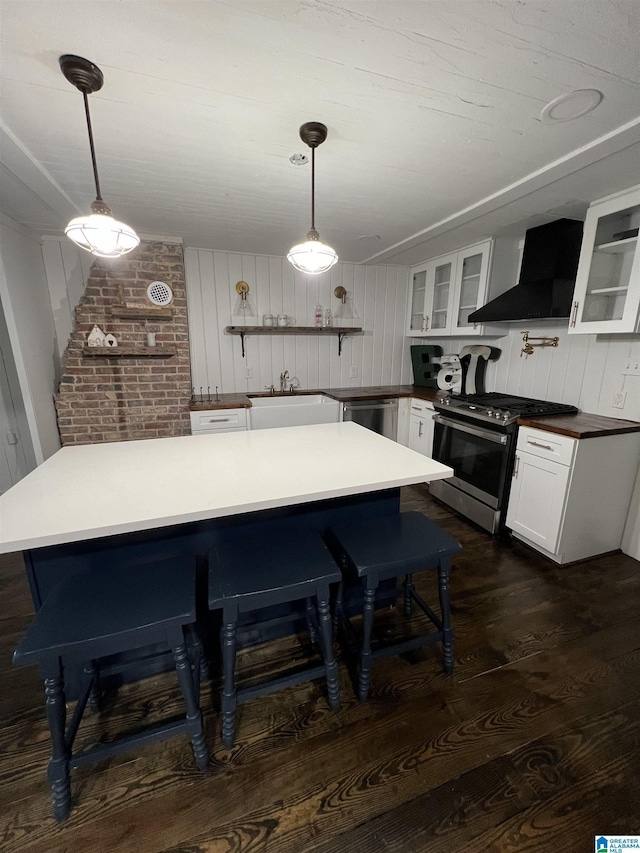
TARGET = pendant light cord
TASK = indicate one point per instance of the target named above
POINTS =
(313, 188)
(93, 153)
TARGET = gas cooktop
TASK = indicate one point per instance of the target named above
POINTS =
(500, 409)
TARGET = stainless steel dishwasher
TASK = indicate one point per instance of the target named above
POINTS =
(381, 416)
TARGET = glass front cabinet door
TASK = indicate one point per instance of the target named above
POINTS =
(445, 290)
(471, 287)
(607, 292)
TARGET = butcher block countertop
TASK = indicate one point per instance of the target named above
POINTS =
(582, 425)
(343, 395)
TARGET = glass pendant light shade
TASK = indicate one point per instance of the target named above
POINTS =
(98, 233)
(312, 256)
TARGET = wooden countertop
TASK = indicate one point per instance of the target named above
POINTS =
(582, 425)
(343, 395)
(87, 491)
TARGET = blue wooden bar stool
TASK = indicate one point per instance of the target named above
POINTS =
(388, 547)
(247, 575)
(91, 616)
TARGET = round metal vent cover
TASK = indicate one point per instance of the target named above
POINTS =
(159, 293)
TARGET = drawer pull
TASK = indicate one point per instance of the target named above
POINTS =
(219, 420)
(420, 425)
(416, 409)
(537, 444)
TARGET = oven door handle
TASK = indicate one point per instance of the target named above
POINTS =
(481, 433)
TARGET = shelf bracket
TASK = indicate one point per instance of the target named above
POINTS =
(242, 342)
(341, 337)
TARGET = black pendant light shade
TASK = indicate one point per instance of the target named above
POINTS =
(98, 233)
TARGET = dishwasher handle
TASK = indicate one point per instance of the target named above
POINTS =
(374, 404)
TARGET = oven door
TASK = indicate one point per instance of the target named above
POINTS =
(480, 457)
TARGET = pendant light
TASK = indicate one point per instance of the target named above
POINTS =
(98, 233)
(312, 256)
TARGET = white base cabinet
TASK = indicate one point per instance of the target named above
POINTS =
(421, 426)
(218, 421)
(569, 498)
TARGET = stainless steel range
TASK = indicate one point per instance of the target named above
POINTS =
(475, 434)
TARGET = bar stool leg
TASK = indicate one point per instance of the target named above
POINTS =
(409, 587)
(311, 613)
(194, 716)
(95, 693)
(338, 611)
(58, 769)
(330, 664)
(445, 609)
(199, 659)
(229, 696)
(366, 658)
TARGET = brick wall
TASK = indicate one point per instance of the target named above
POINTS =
(115, 398)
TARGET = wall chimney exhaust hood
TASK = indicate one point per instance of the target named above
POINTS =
(547, 276)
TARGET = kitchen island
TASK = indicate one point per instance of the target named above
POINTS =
(89, 506)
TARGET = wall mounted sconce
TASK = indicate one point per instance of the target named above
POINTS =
(244, 311)
(98, 233)
(528, 348)
(346, 313)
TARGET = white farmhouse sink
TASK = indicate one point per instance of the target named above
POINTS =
(293, 410)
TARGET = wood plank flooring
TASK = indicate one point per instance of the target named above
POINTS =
(532, 744)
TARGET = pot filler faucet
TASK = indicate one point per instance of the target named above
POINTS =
(283, 381)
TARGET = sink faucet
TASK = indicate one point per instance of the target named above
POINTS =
(283, 381)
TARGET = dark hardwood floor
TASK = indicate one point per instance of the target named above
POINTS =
(531, 745)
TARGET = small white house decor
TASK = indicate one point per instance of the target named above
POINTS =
(110, 341)
(96, 337)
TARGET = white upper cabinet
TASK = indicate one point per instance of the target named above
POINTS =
(607, 292)
(445, 290)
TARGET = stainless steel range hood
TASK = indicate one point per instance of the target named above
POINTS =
(547, 276)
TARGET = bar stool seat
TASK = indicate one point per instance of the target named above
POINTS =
(92, 616)
(247, 575)
(377, 549)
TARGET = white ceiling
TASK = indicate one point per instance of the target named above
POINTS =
(433, 110)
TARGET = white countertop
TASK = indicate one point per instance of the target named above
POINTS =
(93, 490)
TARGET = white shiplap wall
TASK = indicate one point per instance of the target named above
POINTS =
(67, 268)
(378, 357)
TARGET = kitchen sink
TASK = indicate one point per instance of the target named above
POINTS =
(292, 410)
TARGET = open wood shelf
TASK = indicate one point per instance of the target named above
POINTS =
(340, 331)
(293, 330)
(128, 352)
(142, 312)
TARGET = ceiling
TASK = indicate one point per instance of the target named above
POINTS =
(433, 110)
